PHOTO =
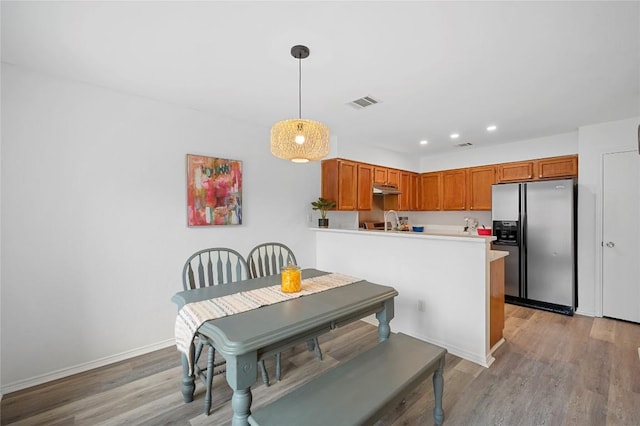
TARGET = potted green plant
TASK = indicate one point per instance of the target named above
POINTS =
(323, 205)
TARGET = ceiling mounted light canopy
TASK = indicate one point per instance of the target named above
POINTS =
(297, 139)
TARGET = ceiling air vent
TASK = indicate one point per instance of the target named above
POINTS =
(464, 144)
(364, 102)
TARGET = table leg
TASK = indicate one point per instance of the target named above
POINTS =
(384, 317)
(241, 374)
(241, 404)
(188, 385)
(438, 387)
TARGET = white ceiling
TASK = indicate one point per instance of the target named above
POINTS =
(532, 68)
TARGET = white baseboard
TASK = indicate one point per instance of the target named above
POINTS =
(585, 313)
(69, 371)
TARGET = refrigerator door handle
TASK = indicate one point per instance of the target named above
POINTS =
(523, 240)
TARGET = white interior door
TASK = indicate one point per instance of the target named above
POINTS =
(621, 236)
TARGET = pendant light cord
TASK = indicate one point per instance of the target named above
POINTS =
(300, 88)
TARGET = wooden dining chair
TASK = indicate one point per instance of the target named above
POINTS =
(269, 259)
(212, 266)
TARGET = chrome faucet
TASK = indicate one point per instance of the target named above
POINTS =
(386, 215)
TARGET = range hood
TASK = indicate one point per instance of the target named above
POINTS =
(385, 189)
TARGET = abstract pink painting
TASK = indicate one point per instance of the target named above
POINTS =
(214, 191)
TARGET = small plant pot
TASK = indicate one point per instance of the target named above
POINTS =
(323, 223)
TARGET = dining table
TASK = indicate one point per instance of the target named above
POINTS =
(244, 338)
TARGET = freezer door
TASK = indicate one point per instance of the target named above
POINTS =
(511, 269)
(505, 202)
(548, 238)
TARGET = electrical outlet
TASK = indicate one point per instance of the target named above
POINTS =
(422, 305)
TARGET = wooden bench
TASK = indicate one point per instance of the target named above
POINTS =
(362, 390)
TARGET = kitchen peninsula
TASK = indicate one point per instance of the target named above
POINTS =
(443, 281)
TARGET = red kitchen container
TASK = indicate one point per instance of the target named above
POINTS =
(484, 231)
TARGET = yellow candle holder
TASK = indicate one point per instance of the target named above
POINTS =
(291, 279)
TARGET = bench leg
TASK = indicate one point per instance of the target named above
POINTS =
(278, 366)
(313, 345)
(263, 372)
(438, 387)
(317, 348)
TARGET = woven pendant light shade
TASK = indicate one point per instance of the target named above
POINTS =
(297, 139)
(315, 145)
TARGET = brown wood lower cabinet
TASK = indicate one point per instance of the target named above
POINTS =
(496, 301)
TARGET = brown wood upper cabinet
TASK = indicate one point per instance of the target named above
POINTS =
(406, 187)
(515, 172)
(543, 168)
(365, 187)
(379, 175)
(479, 181)
(430, 191)
(339, 183)
(386, 176)
(393, 177)
(350, 184)
(557, 167)
(454, 189)
(415, 191)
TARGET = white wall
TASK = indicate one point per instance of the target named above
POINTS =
(373, 155)
(1, 392)
(450, 218)
(594, 142)
(94, 231)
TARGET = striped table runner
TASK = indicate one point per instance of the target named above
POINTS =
(193, 315)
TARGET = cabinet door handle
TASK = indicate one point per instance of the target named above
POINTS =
(611, 244)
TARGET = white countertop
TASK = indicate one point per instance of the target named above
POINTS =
(497, 254)
(441, 235)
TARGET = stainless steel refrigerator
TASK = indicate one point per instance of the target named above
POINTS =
(535, 222)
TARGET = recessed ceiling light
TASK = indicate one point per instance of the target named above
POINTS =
(424, 142)
(454, 136)
(491, 128)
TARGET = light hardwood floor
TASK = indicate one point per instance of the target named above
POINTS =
(552, 370)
